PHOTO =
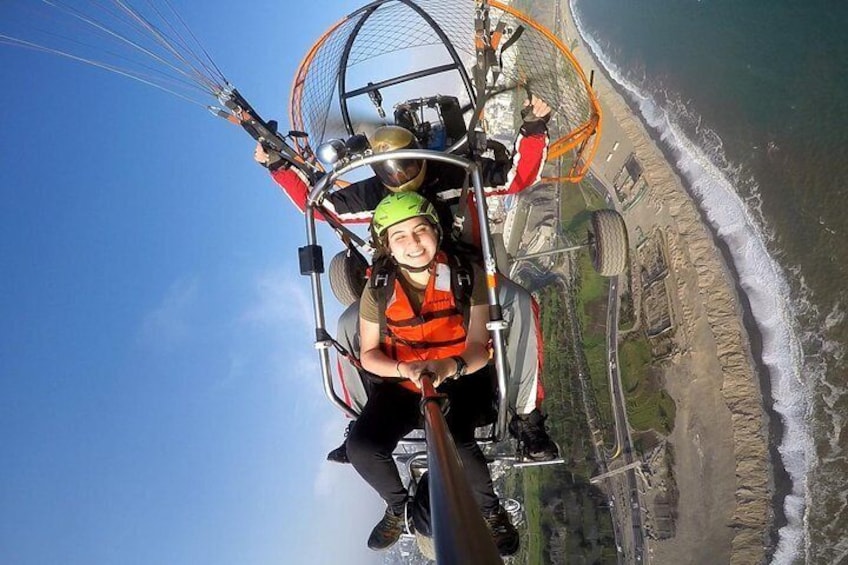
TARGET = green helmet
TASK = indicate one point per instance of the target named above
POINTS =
(398, 207)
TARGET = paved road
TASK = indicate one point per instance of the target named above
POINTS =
(629, 512)
(627, 505)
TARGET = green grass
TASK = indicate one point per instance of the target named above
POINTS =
(573, 211)
(576, 204)
(626, 315)
(533, 513)
(593, 287)
(562, 517)
(591, 303)
(635, 358)
(649, 407)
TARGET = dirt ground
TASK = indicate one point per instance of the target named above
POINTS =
(719, 440)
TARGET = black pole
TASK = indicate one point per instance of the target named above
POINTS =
(460, 534)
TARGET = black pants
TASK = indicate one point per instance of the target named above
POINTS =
(393, 411)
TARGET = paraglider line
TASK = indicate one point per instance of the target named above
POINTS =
(112, 68)
(98, 25)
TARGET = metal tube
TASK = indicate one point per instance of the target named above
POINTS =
(398, 80)
(342, 69)
(446, 42)
(548, 252)
(459, 531)
(318, 313)
(496, 322)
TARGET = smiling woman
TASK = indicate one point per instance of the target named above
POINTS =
(421, 330)
(406, 218)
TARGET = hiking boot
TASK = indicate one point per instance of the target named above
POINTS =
(339, 454)
(532, 436)
(387, 531)
(505, 534)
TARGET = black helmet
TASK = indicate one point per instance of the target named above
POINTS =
(398, 175)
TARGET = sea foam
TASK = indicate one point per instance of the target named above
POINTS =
(713, 182)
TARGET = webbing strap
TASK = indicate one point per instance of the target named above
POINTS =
(462, 208)
(383, 274)
(428, 317)
(346, 354)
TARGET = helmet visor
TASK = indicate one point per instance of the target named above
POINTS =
(395, 173)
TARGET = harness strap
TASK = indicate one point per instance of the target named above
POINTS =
(346, 354)
(462, 208)
(509, 43)
(462, 285)
(428, 317)
(383, 277)
(382, 281)
(426, 344)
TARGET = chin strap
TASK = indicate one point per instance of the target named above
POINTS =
(412, 269)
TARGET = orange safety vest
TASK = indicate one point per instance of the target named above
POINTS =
(436, 332)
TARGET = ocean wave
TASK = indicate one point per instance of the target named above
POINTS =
(730, 200)
(824, 364)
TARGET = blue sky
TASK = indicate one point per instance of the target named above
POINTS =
(159, 394)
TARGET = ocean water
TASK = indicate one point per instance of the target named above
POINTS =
(750, 100)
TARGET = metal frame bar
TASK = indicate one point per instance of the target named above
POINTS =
(549, 252)
(446, 42)
(342, 78)
(399, 79)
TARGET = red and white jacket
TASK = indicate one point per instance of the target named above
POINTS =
(355, 203)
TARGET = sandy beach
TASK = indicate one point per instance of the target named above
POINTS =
(720, 438)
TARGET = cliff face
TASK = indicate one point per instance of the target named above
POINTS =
(720, 440)
(709, 322)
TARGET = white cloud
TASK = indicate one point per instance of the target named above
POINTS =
(281, 310)
(277, 332)
(347, 506)
(281, 301)
(167, 325)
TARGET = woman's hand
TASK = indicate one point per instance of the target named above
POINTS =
(441, 369)
(410, 371)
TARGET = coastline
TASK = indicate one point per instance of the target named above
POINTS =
(781, 481)
(730, 506)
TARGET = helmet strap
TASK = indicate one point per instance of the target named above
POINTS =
(412, 269)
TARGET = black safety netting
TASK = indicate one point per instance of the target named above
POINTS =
(391, 38)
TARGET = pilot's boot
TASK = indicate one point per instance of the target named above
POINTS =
(529, 430)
